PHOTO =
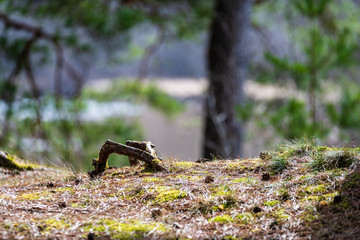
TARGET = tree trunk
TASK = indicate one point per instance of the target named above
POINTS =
(227, 70)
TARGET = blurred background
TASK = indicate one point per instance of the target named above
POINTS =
(75, 73)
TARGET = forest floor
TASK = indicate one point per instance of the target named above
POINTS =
(300, 191)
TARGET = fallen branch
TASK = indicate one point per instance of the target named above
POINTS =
(135, 151)
(11, 162)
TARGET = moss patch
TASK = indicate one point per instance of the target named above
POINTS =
(272, 203)
(134, 229)
(169, 195)
(222, 219)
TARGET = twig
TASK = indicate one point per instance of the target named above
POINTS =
(39, 33)
(149, 51)
(78, 79)
(30, 76)
(58, 67)
(150, 159)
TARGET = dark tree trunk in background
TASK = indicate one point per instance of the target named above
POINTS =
(227, 70)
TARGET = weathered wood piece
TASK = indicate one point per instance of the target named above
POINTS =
(12, 162)
(149, 158)
(145, 146)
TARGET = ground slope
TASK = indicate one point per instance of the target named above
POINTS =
(299, 192)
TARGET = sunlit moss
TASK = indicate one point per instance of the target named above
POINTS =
(16, 226)
(184, 165)
(31, 196)
(65, 189)
(283, 194)
(245, 218)
(272, 203)
(312, 198)
(313, 189)
(222, 190)
(222, 219)
(49, 224)
(353, 181)
(244, 165)
(280, 214)
(189, 177)
(152, 179)
(247, 180)
(333, 158)
(133, 229)
(2, 196)
(169, 195)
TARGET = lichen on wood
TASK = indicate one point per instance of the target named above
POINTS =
(12, 162)
(137, 151)
(143, 145)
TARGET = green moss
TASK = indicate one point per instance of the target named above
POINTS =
(312, 198)
(283, 194)
(313, 189)
(279, 163)
(222, 219)
(309, 215)
(65, 189)
(30, 196)
(16, 227)
(133, 229)
(298, 148)
(77, 205)
(332, 158)
(247, 180)
(156, 162)
(35, 196)
(185, 165)
(190, 178)
(222, 190)
(309, 218)
(244, 165)
(235, 165)
(152, 179)
(245, 218)
(280, 214)
(352, 182)
(51, 223)
(2, 196)
(230, 238)
(169, 195)
(272, 203)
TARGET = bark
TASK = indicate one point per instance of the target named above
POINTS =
(150, 159)
(227, 69)
(145, 146)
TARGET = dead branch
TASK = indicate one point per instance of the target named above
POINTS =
(9, 96)
(39, 33)
(149, 52)
(150, 159)
(145, 146)
(30, 77)
(78, 79)
(12, 162)
(9, 22)
(20, 60)
(59, 63)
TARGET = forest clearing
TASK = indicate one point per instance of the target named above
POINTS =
(299, 191)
